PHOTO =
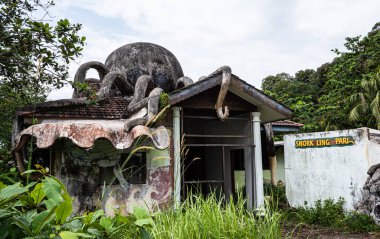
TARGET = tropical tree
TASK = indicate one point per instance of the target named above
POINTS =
(367, 102)
(320, 98)
(35, 50)
(33, 47)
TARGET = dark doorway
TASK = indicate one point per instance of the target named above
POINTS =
(206, 167)
(237, 172)
(199, 178)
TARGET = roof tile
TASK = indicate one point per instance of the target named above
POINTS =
(111, 108)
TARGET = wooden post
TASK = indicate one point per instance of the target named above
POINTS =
(271, 151)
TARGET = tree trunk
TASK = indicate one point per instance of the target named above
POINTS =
(271, 152)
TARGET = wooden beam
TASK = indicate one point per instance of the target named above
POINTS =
(271, 151)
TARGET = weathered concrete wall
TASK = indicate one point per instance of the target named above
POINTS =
(333, 171)
(155, 194)
(85, 172)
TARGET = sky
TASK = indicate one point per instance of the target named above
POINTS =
(256, 38)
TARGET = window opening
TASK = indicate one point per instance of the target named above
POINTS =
(135, 170)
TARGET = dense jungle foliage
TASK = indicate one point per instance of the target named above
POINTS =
(322, 99)
(35, 50)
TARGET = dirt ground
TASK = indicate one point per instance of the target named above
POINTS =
(304, 231)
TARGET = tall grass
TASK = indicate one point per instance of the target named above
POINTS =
(200, 217)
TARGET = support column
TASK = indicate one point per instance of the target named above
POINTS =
(177, 155)
(258, 182)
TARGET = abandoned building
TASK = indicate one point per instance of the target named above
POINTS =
(145, 134)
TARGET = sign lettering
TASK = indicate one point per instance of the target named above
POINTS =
(325, 142)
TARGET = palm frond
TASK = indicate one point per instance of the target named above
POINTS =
(356, 112)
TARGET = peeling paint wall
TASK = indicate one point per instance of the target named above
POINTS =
(155, 194)
(329, 172)
(85, 172)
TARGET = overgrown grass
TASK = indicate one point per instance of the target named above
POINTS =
(200, 217)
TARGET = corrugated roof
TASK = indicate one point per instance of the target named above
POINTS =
(288, 123)
(84, 133)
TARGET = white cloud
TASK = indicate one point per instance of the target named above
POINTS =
(256, 38)
(333, 19)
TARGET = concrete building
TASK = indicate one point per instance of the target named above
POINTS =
(149, 135)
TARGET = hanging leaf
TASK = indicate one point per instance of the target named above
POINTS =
(41, 220)
(52, 190)
(64, 209)
(37, 193)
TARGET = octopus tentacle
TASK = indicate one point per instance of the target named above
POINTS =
(114, 78)
(132, 123)
(154, 101)
(226, 80)
(80, 75)
(139, 100)
(143, 84)
(183, 82)
(153, 106)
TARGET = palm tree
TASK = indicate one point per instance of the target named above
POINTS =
(367, 101)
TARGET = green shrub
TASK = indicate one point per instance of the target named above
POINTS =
(331, 214)
(34, 210)
(359, 222)
(43, 209)
(324, 213)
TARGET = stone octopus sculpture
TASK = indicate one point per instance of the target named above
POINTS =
(141, 72)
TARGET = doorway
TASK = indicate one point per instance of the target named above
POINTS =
(215, 150)
(238, 173)
(198, 178)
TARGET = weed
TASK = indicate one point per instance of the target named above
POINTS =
(359, 222)
(331, 214)
(276, 196)
(324, 213)
(163, 104)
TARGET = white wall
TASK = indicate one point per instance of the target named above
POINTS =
(329, 172)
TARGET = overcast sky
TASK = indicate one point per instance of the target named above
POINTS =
(255, 38)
